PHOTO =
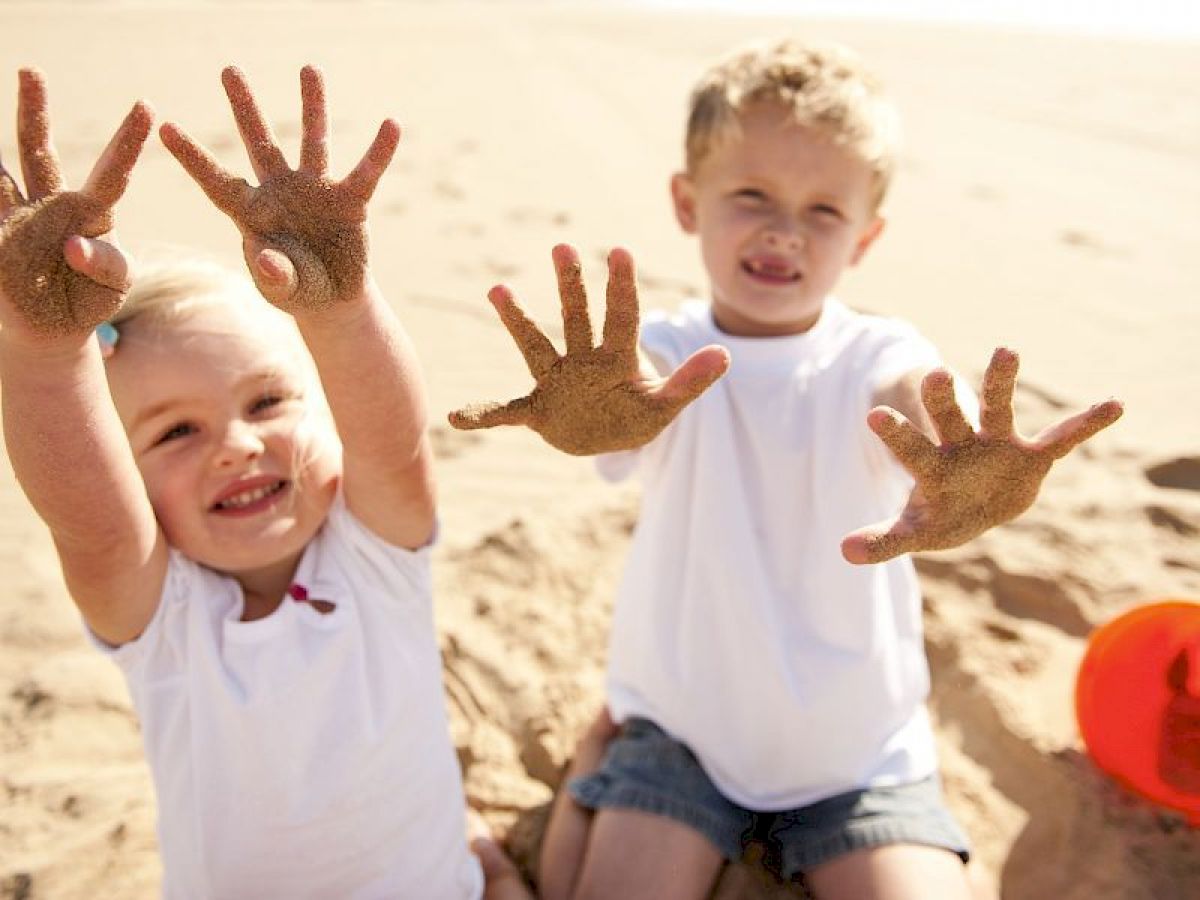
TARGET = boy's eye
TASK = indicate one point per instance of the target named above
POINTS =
(750, 195)
(183, 429)
(824, 210)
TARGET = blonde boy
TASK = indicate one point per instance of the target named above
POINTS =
(768, 685)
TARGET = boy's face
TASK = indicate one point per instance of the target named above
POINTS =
(220, 416)
(780, 212)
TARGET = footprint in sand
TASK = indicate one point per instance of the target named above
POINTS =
(1182, 473)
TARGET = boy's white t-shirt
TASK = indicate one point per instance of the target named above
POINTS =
(739, 628)
(304, 755)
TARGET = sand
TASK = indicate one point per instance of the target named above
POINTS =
(1046, 202)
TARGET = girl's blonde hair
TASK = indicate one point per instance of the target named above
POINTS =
(824, 87)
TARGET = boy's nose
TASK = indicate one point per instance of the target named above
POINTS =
(785, 236)
(239, 443)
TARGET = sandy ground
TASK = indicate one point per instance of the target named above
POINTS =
(1047, 199)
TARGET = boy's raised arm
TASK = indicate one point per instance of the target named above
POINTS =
(60, 276)
(592, 399)
(971, 480)
(304, 237)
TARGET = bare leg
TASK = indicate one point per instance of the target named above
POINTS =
(640, 856)
(896, 872)
(566, 837)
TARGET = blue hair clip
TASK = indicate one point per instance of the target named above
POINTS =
(107, 335)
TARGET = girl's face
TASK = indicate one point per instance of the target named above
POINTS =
(227, 429)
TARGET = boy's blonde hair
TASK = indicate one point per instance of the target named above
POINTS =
(820, 86)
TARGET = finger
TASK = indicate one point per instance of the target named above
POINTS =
(693, 377)
(101, 261)
(110, 176)
(228, 192)
(489, 415)
(908, 444)
(1059, 440)
(539, 353)
(314, 140)
(621, 303)
(996, 412)
(265, 156)
(878, 543)
(39, 162)
(576, 325)
(362, 181)
(937, 395)
(10, 194)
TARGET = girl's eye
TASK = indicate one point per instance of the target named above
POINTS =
(183, 429)
(265, 403)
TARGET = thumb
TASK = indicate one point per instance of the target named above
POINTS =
(695, 375)
(274, 274)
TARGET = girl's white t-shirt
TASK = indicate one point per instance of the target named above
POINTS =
(304, 755)
(739, 628)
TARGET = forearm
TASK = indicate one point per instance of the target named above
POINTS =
(372, 381)
(70, 454)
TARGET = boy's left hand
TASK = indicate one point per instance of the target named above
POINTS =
(592, 399)
(971, 481)
(304, 235)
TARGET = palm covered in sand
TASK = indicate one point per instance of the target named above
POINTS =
(972, 480)
(304, 235)
(592, 399)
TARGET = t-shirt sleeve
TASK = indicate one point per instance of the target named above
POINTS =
(904, 349)
(381, 562)
(163, 638)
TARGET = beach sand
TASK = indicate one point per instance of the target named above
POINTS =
(1047, 200)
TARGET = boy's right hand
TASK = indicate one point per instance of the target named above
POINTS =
(592, 399)
(60, 274)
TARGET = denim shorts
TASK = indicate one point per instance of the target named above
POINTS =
(646, 769)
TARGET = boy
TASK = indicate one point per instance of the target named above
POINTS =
(765, 684)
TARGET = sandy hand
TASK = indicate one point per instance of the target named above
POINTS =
(58, 274)
(971, 481)
(304, 235)
(592, 399)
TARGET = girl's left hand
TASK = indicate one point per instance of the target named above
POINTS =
(304, 235)
(971, 481)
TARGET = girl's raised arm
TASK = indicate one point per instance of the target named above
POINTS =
(304, 238)
(60, 277)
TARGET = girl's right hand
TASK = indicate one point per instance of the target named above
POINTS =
(60, 273)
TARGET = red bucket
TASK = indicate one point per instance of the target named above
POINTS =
(1137, 701)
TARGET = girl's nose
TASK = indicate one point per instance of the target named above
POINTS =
(241, 442)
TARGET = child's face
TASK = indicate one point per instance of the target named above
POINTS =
(226, 435)
(780, 212)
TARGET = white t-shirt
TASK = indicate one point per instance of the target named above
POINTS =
(739, 629)
(304, 755)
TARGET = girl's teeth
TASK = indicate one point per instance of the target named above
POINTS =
(247, 497)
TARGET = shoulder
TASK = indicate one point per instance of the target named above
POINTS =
(673, 335)
(346, 544)
(883, 345)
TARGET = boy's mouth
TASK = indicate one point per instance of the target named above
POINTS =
(250, 498)
(771, 271)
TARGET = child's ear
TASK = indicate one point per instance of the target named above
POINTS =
(683, 196)
(867, 238)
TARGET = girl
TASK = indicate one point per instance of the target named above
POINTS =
(241, 498)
